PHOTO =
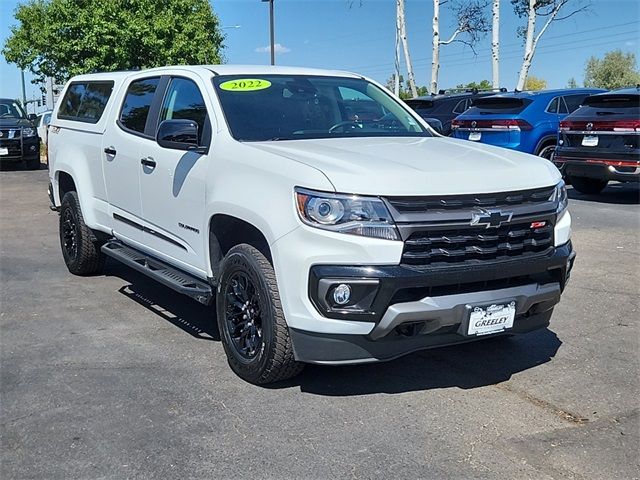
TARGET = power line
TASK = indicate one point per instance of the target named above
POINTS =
(507, 45)
(513, 57)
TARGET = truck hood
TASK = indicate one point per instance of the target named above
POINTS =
(12, 122)
(416, 166)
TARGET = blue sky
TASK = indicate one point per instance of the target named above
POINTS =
(329, 34)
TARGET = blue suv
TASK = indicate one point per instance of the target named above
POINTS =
(524, 121)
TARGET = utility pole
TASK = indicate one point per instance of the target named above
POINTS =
(271, 32)
(24, 93)
(396, 80)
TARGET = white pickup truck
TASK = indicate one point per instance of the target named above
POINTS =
(327, 222)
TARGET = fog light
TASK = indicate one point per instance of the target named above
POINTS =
(342, 294)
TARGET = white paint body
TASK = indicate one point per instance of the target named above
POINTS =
(254, 181)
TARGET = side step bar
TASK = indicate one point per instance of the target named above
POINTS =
(171, 277)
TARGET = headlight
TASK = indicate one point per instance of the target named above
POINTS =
(367, 216)
(28, 132)
(559, 195)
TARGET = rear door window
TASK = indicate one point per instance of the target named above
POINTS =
(460, 107)
(553, 105)
(137, 103)
(85, 101)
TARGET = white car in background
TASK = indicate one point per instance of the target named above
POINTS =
(43, 121)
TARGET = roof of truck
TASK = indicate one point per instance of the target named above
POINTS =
(275, 70)
(223, 70)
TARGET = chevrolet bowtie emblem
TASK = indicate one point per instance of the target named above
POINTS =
(490, 218)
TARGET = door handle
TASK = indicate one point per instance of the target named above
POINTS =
(110, 151)
(148, 162)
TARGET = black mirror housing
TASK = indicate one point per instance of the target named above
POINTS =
(179, 135)
(32, 117)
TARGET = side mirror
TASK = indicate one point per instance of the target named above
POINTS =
(435, 124)
(32, 117)
(179, 135)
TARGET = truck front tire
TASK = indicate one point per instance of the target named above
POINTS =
(250, 318)
(80, 249)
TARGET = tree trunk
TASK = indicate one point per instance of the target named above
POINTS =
(495, 44)
(405, 45)
(435, 57)
(528, 45)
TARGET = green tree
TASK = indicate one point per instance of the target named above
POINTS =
(535, 83)
(62, 38)
(572, 83)
(482, 85)
(615, 70)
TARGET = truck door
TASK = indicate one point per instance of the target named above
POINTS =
(121, 156)
(172, 184)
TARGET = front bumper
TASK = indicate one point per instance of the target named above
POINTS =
(21, 148)
(414, 309)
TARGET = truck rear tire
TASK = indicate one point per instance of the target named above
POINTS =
(251, 322)
(80, 248)
(589, 186)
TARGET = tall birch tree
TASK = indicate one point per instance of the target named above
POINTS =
(471, 24)
(548, 11)
(402, 28)
(495, 43)
(401, 38)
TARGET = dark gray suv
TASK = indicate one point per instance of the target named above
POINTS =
(19, 139)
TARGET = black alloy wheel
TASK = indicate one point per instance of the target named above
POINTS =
(79, 245)
(242, 307)
(69, 234)
(253, 330)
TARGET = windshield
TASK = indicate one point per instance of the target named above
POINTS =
(288, 107)
(11, 109)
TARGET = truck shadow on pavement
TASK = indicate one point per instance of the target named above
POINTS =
(615, 194)
(197, 320)
(467, 366)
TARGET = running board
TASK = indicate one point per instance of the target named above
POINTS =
(171, 277)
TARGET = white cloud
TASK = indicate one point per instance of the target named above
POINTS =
(279, 48)
(629, 44)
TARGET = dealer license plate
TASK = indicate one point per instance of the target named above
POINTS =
(590, 141)
(475, 136)
(494, 318)
(4, 151)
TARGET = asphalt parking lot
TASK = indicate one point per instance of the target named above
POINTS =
(114, 376)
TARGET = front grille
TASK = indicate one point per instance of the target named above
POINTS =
(473, 245)
(9, 133)
(14, 147)
(455, 202)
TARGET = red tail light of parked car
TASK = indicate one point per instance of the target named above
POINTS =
(508, 124)
(600, 126)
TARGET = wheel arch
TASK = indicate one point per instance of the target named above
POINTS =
(545, 141)
(227, 231)
(65, 184)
